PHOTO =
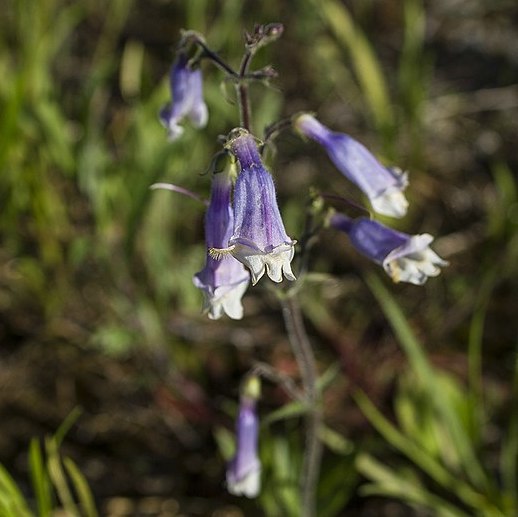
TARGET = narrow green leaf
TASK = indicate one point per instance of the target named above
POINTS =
(12, 497)
(58, 478)
(81, 488)
(335, 441)
(425, 373)
(226, 442)
(509, 451)
(40, 481)
(65, 426)
(327, 378)
(419, 456)
(290, 410)
(391, 483)
(476, 336)
(365, 63)
(286, 483)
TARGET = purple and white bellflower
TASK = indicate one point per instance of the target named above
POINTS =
(383, 186)
(405, 258)
(244, 470)
(187, 92)
(223, 281)
(259, 239)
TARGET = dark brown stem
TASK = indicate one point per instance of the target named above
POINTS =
(208, 53)
(242, 91)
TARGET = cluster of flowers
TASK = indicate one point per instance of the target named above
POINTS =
(245, 236)
(244, 231)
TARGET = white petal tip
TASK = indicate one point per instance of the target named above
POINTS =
(392, 203)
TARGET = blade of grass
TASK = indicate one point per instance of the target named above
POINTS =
(509, 451)
(290, 410)
(286, 477)
(413, 73)
(420, 457)
(66, 425)
(58, 478)
(423, 369)
(40, 480)
(81, 488)
(476, 336)
(364, 61)
(389, 482)
(11, 496)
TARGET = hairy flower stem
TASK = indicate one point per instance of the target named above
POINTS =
(242, 91)
(306, 362)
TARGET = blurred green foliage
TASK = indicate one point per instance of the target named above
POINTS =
(52, 478)
(440, 430)
(91, 256)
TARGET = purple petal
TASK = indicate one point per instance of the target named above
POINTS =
(383, 186)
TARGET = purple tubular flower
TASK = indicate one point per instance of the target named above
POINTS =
(259, 239)
(244, 470)
(187, 92)
(383, 186)
(224, 281)
(405, 258)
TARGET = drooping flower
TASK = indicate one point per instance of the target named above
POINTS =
(187, 92)
(405, 258)
(259, 239)
(244, 470)
(382, 185)
(224, 281)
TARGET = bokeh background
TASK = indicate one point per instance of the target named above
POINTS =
(97, 307)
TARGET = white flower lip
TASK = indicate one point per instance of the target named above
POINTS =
(392, 202)
(174, 130)
(224, 299)
(248, 485)
(199, 115)
(275, 262)
(414, 262)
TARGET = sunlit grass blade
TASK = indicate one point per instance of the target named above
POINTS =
(226, 442)
(419, 362)
(58, 478)
(404, 333)
(81, 488)
(40, 479)
(509, 451)
(290, 410)
(365, 63)
(335, 441)
(327, 378)
(66, 425)
(476, 335)
(411, 77)
(12, 502)
(419, 456)
(55, 134)
(338, 483)
(286, 476)
(399, 484)
(130, 75)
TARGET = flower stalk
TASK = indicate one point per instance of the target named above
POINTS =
(305, 358)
